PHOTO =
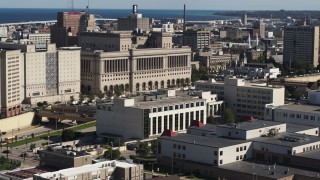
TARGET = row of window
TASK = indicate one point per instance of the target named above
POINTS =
(242, 148)
(178, 146)
(298, 116)
(181, 106)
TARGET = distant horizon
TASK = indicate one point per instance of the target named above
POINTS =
(159, 9)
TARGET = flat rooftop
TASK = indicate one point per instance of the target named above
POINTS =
(246, 84)
(262, 170)
(314, 154)
(288, 139)
(168, 101)
(251, 125)
(293, 128)
(66, 153)
(300, 107)
(206, 127)
(28, 173)
(214, 142)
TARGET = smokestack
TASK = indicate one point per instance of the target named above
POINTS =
(135, 9)
(184, 17)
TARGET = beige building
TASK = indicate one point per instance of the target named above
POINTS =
(11, 78)
(216, 62)
(196, 39)
(301, 44)
(50, 74)
(39, 38)
(135, 70)
(134, 22)
(244, 98)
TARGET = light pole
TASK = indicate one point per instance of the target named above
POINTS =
(111, 150)
(48, 140)
(152, 167)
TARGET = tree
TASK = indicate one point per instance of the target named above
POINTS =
(143, 149)
(45, 103)
(211, 120)
(71, 99)
(32, 146)
(112, 154)
(229, 116)
(153, 147)
(81, 97)
(68, 135)
(100, 95)
(109, 94)
(117, 92)
(127, 87)
(40, 104)
(91, 97)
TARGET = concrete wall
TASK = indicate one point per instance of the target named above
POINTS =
(16, 122)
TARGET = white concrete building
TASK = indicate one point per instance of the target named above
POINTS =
(294, 113)
(244, 98)
(39, 38)
(148, 118)
(225, 144)
(255, 72)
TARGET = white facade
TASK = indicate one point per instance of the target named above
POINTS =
(294, 113)
(40, 38)
(258, 72)
(132, 119)
(207, 150)
(3, 32)
(244, 98)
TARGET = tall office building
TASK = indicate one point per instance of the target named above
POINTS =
(64, 32)
(301, 44)
(11, 78)
(134, 21)
(196, 39)
(50, 74)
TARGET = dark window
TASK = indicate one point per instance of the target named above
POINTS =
(181, 121)
(159, 124)
(237, 149)
(181, 106)
(154, 110)
(176, 121)
(159, 109)
(176, 107)
(221, 153)
(202, 103)
(165, 122)
(187, 105)
(216, 153)
(165, 108)
(221, 162)
(174, 146)
(170, 107)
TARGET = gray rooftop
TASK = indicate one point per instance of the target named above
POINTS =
(300, 107)
(166, 102)
(288, 139)
(293, 128)
(314, 154)
(251, 125)
(206, 127)
(205, 141)
(263, 170)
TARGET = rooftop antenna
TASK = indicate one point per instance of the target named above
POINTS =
(305, 19)
(184, 17)
(88, 6)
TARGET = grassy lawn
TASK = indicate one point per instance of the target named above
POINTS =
(8, 164)
(52, 134)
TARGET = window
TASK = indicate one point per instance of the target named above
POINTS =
(305, 117)
(179, 146)
(170, 107)
(154, 110)
(192, 104)
(216, 153)
(237, 149)
(183, 156)
(202, 103)
(174, 146)
(245, 148)
(241, 148)
(176, 107)
(165, 108)
(159, 109)
(197, 104)
(221, 162)
(181, 106)
(221, 153)
(183, 147)
(241, 156)
(298, 116)
(237, 158)
(187, 105)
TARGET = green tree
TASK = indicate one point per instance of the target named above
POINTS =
(112, 154)
(32, 146)
(211, 120)
(229, 116)
(143, 149)
(117, 92)
(100, 95)
(109, 94)
(91, 97)
(71, 99)
(68, 135)
(81, 97)
(40, 104)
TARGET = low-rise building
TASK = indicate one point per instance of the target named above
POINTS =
(243, 97)
(209, 149)
(148, 118)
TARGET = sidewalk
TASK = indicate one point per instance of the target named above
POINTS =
(17, 132)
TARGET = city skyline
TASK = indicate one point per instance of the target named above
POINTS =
(153, 4)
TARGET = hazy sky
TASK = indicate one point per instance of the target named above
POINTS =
(170, 4)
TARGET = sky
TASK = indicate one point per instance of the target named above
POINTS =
(169, 4)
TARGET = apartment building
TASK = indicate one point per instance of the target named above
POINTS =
(301, 44)
(246, 99)
(216, 62)
(11, 78)
(39, 38)
(136, 70)
(50, 74)
(149, 117)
